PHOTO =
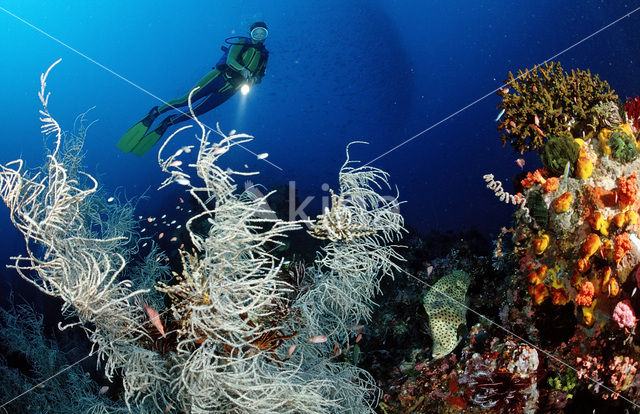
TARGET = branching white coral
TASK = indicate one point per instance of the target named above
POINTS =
(346, 277)
(72, 262)
(231, 352)
(349, 271)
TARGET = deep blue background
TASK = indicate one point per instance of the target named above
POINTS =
(374, 70)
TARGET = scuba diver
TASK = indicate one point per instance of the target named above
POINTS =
(244, 63)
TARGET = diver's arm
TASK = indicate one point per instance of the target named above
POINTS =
(258, 77)
(233, 56)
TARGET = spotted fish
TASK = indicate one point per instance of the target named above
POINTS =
(444, 303)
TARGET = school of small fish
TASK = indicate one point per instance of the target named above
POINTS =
(163, 219)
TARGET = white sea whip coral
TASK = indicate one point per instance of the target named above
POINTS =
(230, 298)
(350, 268)
(346, 276)
(72, 262)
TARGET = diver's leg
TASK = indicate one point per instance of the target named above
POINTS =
(133, 136)
(204, 90)
(221, 92)
(205, 105)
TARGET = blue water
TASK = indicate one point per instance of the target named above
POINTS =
(381, 71)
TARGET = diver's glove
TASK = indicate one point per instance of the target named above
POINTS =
(249, 77)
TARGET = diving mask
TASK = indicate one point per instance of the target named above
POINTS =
(259, 32)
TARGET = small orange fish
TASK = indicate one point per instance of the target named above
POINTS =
(336, 350)
(318, 339)
(174, 239)
(181, 200)
(358, 338)
(536, 120)
(220, 150)
(534, 88)
(520, 163)
(154, 317)
(161, 235)
(291, 349)
(538, 130)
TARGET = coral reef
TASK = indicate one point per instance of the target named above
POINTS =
(558, 331)
(547, 101)
(577, 256)
(228, 326)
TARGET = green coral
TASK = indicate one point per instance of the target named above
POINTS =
(623, 146)
(444, 304)
(538, 208)
(557, 152)
(565, 383)
(548, 101)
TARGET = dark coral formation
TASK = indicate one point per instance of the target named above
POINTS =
(538, 209)
(548, 101)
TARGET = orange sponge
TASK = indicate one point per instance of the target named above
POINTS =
(590, 245)
(585, 297)
(627, 190)
(622, 244)
(562, 203)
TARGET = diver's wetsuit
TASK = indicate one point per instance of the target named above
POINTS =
(223, 81)
(244, 62)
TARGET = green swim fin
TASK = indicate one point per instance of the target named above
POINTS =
(133, 136)
(150, 139)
